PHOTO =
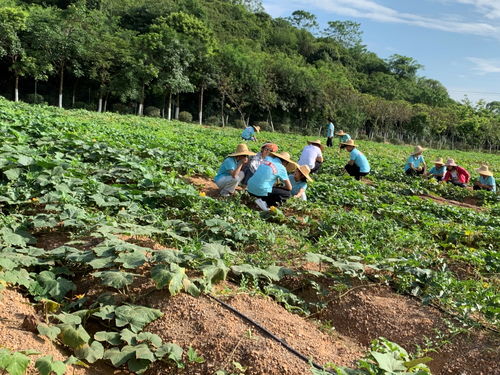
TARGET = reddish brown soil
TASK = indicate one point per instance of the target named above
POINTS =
(467, 203)
(207, 186)
(15, 336)
(223, 338)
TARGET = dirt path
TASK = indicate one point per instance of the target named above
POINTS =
(471, 203)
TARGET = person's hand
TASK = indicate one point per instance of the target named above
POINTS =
(244, 160)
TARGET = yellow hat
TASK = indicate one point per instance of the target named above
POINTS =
(283, 156)
(350, 142)
(242, 149)
(257, 128)
(484, 170)
(305, 170)
(340, 133)
(451, 163)
(418, 150)
(439, 161)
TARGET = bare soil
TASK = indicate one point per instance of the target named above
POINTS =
(467, 203)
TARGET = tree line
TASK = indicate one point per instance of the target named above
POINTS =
(227, 62)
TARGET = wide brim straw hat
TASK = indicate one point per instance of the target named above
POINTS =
(257, 128)
(242, 149)
(340, 133)
(305, 170)
(283, 156)
(451, 163)
(440, 161)
(350, 142)
(484, 170)
(418, 150)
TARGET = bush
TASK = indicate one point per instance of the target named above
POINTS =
(122, 108)
(34, 98)
(239, 123)
(362, 137)
(396, 141)
(378, 138)
(264, 125)
(213, 120)
(284, 128)
(84, 105)
(185, 116)
(152, 111)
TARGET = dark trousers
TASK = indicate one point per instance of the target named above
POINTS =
(414, 172)
(276, 197)
(461, 184)
(316, 168)
(248, 174)
(439, 178)
(480, 188)
(329, 141)
(353, 170)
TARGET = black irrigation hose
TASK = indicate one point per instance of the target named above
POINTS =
(270, 334)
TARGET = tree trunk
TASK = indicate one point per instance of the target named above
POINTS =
(61, 83)
(73, 96)
(200, 112)
(169, 116)
(16, 90)
(140, 111)
(222, 109)
(106, 102)
(177, 107)
(270, 117)
(99, 105)
(36, 91)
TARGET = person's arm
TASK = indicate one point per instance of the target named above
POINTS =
(299, 194)
(235, 172)
(288, 185)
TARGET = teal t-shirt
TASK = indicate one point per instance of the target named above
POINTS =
(345, 138)
(360, 160)
(438, 171)
(488, 180)
(330, 130)
(248, 133)
(415, 160)
(266, 175)
(296, 185)
(225, 169)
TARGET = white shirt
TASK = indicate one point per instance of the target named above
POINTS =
(309, 155)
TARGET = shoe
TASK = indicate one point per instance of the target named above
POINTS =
(262, 205)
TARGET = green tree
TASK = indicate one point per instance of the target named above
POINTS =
(303, 20)
(347, 33)
(403, 66)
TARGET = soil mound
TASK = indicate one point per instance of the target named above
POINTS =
(224, 338)
(15, 336)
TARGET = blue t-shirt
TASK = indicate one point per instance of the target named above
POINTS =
(248, 133)
(330, 130)
(296, 185)
(435, 171)
(360, 160)
(488, 180)
(225, 169)
(416, 161)
(345, 138)
(264, 178)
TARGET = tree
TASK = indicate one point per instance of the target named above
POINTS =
(494, 107)
(347, 33)
(303, 20)
(253, 6)
(403, 66)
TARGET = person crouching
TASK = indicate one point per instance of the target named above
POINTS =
(264, 183)
(357, 165)
(486, 180)
(299, 180)
(230, 173)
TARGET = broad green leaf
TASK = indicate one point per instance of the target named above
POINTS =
(128, 336)
(14, 363)
(170, 277)
(73, 337)
(106, 312)
(171, 351)
(13, 174)
(112, 338)
(152, 338)
(318, 258)
(46, 366)
(387, 362)
(68, 318)
(100, 263)
(417, 361)
(131, 260)
(216, 251)
(135, 316)
(25, 160)
(119, 357)
(138, 366)
(50, 331)
(115, 279)
(215, 273)
(142, 351)
(91, 353)
(56, 288)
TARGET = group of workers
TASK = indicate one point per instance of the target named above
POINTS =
(448, 172)
(272, 177)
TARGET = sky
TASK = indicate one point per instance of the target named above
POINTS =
(457, 41)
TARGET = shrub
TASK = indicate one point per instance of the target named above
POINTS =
(362, 137)
(122, 108)
(152, 111)
(378, 138)
(34, 98)
(213, 120)
(396, 141)
(284, 128)
(239, 123)
(264, 125)
(185, 116)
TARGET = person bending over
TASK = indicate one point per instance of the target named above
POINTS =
(312, 155)
(358, 165)
(486, 180)
(230, 174)
(455, 174)
(438, 170)
(249, 133)
(415, 164)
(299, 181)
(257, 160)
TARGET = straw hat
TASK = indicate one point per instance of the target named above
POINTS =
(257, 128)
(451, 163)
(316, 142)
(305, 170)
(271, 146)
(291, 167)
(283, 156)
(340, 133)
(418, 150)
(484, 170)
(350, 142)
(242, 149)
(439, 161)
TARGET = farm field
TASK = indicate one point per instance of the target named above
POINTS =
(112, 241)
